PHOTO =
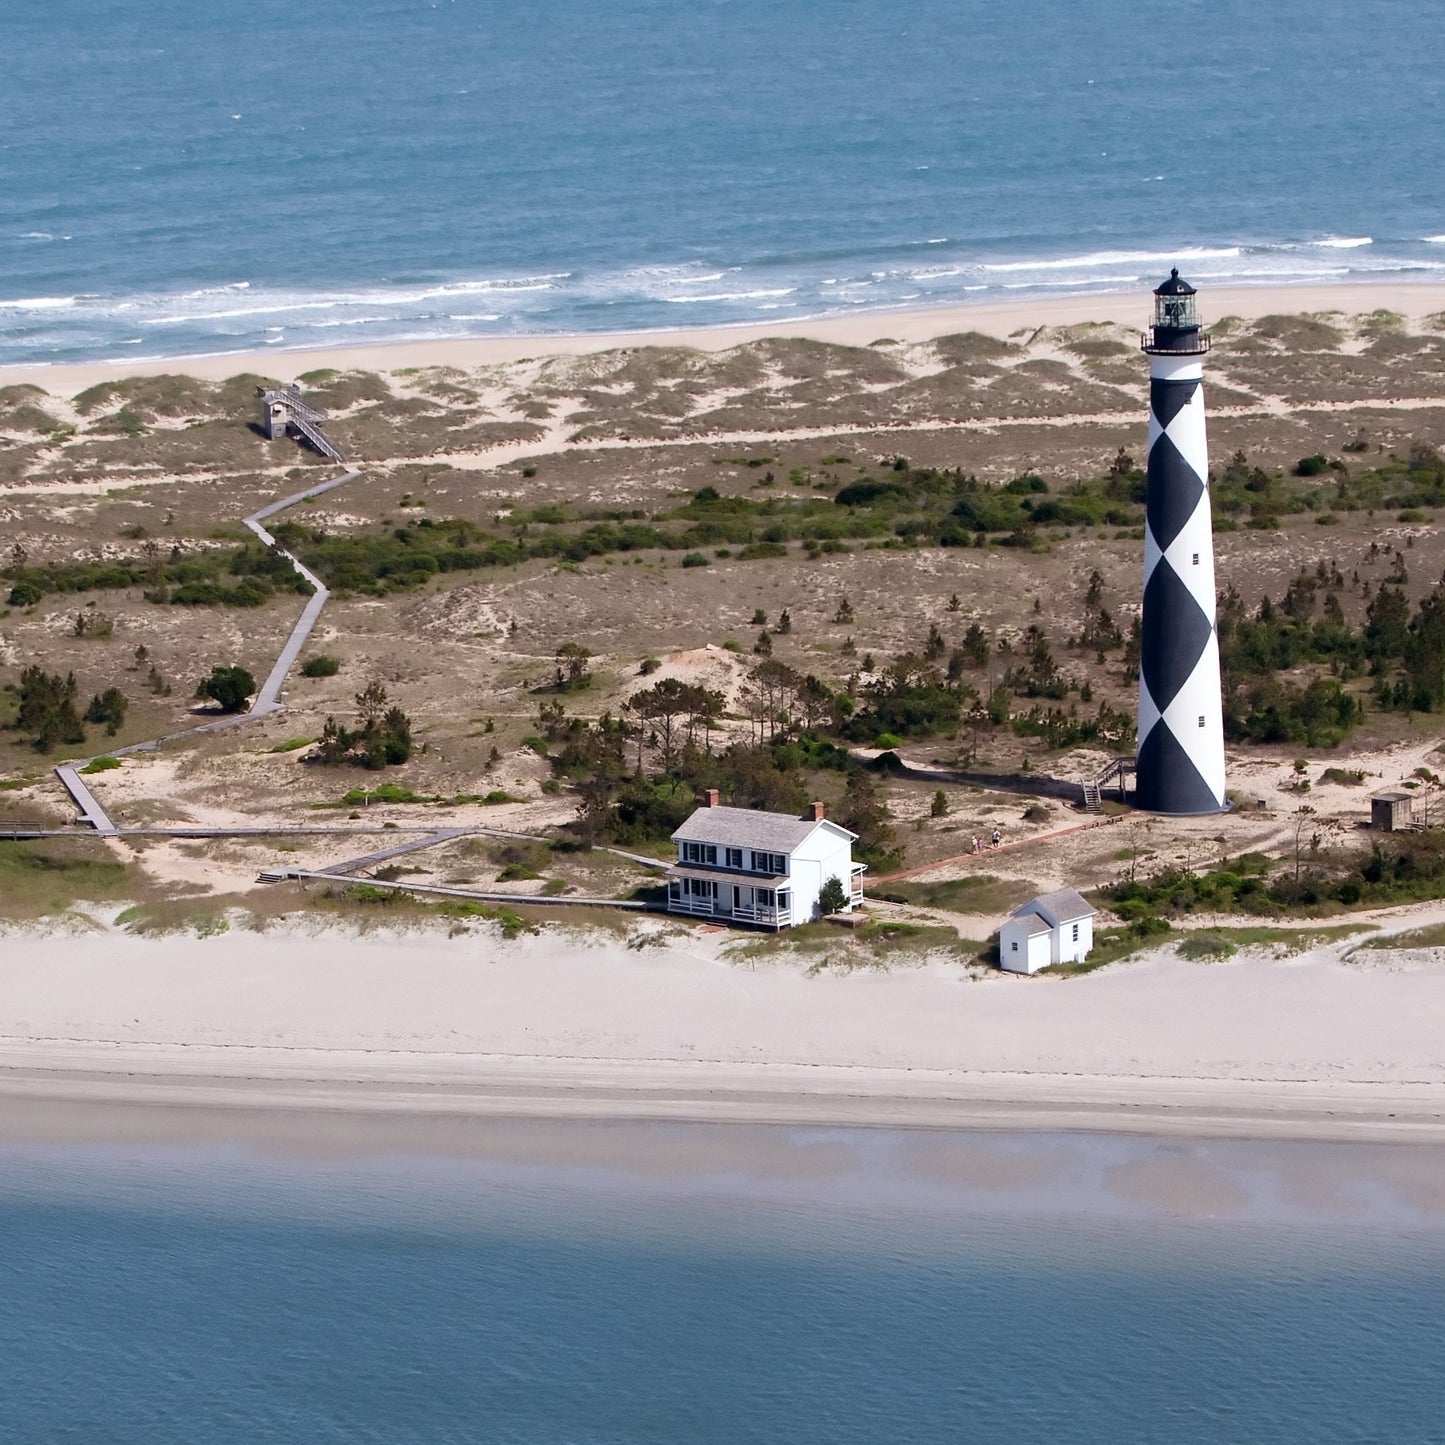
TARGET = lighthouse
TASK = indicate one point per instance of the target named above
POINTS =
(1180, 763)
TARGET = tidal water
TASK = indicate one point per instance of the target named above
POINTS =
(187, 1296)
(179, 178)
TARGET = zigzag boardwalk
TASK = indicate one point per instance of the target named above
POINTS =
(307, 420)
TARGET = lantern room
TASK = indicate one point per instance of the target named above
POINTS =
(1176, 321)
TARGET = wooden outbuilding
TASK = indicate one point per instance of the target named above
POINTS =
(1392, 812)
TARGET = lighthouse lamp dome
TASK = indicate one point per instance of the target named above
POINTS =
(1176, 320)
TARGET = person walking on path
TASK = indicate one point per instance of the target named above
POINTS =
(997, 837)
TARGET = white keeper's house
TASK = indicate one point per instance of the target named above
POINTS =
(747, 866)
(1056, 927)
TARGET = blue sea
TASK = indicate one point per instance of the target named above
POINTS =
(165, 1295)
(178, 178)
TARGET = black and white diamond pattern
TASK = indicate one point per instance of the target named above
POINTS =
(1181, 734)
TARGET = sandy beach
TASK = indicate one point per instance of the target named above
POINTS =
(419, 1026)
(1130, 308)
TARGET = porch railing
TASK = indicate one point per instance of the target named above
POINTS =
(744, 913)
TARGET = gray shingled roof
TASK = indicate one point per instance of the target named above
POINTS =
(748, 828)
(1063, 905)
(1032, 924)
(722, 875)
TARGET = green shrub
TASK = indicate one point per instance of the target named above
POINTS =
(382, 793)
(47, 709)
(694, 559)
(868, 493)
(1205, 946)
(516, 871)
(108, 707)
(321, 666)
(227, 687)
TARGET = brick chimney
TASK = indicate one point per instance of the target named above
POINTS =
(710, 797)
(816, 812)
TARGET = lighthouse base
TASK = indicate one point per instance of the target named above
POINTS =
(1168, 780)
(1217, 808)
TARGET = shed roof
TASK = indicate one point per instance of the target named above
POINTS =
(1030, 924)
(751, 828)
(1391, 797)
(1063, 905)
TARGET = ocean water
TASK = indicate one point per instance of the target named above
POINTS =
(179, 178)
(210, 1297)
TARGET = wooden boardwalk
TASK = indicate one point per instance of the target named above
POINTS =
(300, 416)
(434, 890)
(307, 420)
(268, 698)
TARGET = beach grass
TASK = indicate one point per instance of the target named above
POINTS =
(41, 879)
(172, 916)
(292, 745)
(1111, 945)
(1432, 936)
(977, 893)
(880, 943)
(394, 902)
(1207, 944)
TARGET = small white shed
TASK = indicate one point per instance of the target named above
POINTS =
(1023, 944)
(1055, 927)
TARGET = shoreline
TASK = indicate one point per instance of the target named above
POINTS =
(314, 1100)
(1414, 300)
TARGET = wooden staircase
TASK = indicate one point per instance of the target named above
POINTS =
(1116, 772)
(303, 418)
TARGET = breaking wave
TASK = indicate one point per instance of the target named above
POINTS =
(236, 314)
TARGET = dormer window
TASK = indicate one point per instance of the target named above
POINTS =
(699, 853)
(733, 857)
